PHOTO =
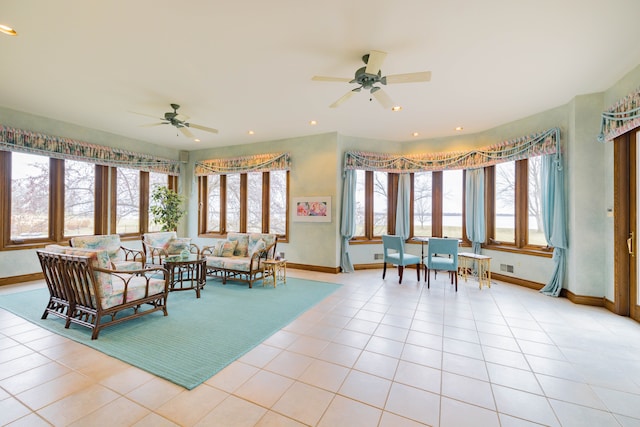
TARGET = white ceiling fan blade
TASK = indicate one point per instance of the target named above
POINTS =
(153, 124)
(186, 132)
(342, 99)
(376, 58)
(204, 128)
(423, 76)
(384, 99)
(331, 79)
(147, 115)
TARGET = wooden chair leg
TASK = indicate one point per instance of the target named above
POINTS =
(418, 267)
(456, 283)
(400, 271)
(428, 278)
(384, 270)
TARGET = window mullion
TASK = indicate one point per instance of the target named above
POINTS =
(521, 190)
(436, 185)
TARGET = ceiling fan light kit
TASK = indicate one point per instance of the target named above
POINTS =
(370, 75)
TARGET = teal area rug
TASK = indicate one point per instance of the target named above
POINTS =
(199, 337)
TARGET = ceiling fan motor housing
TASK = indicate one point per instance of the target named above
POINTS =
(366, 80)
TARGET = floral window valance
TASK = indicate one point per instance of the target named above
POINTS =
(256, 163)
(621, 118)
(547, 142)
(65, 148)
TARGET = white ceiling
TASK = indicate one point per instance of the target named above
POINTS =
(247, 65)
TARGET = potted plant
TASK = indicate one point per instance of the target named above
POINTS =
(166, 208)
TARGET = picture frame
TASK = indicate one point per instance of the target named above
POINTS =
(312, 209)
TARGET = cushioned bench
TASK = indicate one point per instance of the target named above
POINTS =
(121, 258)
(84, 290)
(238, 257)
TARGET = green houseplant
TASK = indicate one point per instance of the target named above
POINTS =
(166, 208)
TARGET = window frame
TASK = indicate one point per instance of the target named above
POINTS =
(204, 229)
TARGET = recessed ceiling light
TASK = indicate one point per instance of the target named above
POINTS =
(251, 132)
(459, 128)
(196, 140)
(7, 30)
(396, 108)
(415, 134)
(313, 123)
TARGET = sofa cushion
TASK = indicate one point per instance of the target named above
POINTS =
(97, 258)
(160, 239)
(177, 245)
(110, 243)
(242, 248)
(135, 291)
(260, 245)
(228, 248)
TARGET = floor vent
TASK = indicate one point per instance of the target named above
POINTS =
(378, 256)
(506, 267)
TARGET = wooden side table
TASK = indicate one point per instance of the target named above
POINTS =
(465, 259)
(274, 271)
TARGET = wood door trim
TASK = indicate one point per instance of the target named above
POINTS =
(621, 191)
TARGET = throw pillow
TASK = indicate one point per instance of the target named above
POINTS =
(217, 248)
(228, 247)
(176, 245)
(259, 246)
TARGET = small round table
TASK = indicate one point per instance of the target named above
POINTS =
(186, 273)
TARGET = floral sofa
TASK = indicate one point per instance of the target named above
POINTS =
(86, 291)
(238, 257)
(121, 258)
(159, 245)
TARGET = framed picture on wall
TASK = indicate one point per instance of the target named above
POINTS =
(312, 209)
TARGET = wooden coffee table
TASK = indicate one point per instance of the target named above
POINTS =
(186, 273)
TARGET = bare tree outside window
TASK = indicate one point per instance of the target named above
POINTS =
(128, 201)
(505, 202)
(79, 198)
(536, 233)
(29, 196)
(155, 180)
(452, 203)
(233, 203)
(213, 203)
(278, 202)
(422, 204)
(254, 202)
(360, 200)
(380, 185)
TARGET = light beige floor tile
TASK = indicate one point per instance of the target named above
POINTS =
(232, 377)
(51, 391)
(309, 346)
(413, 403)
(340, 354)
(281, 339)
(515, 359)
(528, 406)
(154, 420)
(377, 364)
(12, 409)
(304, 403)
(31, 420)
(127, 379)
(264, 388)
(120, 412)
(154, 393)
(385, 346)
(273, 419)
(619, 402)
(366, 388)
(190, 406)
(33, 377)
(425, 340)
(347, 412)
(65, 411)
(22, 364)
(462, 348)
(260, 355)
(519, 379)
(466, 366)
(233, 412)
(352, 338)
(466, 389)
(570, 391)
(324, 375)
(461, 414)
(392, 420)
(422, 355)
(571, 415)
(289, 364)
(418, 376)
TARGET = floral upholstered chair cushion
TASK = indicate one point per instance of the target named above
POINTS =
(242, 248)
(111, 243)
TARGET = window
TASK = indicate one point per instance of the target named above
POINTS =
(505, 202)
(155, 180)
(127, 201)
(79, 198)
(422, 204)
(244, 202)
(452, 202)
(515, 208)
(375, 204)
(30, 191)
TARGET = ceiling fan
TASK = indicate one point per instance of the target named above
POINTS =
(370, 75)
(179, 121)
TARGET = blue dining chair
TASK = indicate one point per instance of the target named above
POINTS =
(398, 256)
(442, 254)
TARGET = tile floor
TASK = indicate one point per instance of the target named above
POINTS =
(374, 353)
